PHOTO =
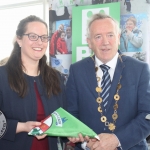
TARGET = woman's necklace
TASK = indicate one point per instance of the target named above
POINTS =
(111, 125)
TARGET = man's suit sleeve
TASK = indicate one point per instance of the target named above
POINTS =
(72, 97)
(138, 128)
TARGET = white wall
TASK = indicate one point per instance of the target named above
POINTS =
(11, 14)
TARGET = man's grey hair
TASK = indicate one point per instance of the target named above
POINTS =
(101, 16)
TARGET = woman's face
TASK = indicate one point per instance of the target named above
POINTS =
(130, 25)
(33, 50)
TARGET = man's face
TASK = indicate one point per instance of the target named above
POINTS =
(68, 32)
(104, 39)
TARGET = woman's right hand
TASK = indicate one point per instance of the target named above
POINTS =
(27, 126)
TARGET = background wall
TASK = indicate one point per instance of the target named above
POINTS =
(11, 12)
(62, 11)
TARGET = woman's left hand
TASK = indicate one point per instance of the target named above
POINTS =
(39, 137)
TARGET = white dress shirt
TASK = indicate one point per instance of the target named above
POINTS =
(112, 64)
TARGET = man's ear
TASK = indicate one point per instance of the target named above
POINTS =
(118, 39)
(89, 42)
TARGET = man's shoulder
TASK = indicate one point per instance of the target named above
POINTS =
(128, 60)
(82, 62)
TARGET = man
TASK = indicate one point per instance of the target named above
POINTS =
(53, 40)
(119, 117)
(69, 39)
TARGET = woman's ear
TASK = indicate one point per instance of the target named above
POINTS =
(19, 41)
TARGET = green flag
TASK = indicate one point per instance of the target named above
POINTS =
(61, 123)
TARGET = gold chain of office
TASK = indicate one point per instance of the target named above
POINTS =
(111, 125)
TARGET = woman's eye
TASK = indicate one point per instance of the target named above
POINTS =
(33, 36)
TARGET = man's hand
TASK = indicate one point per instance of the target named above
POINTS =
(91, 142)
(107, 142)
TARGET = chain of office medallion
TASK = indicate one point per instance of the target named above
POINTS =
(111, 125)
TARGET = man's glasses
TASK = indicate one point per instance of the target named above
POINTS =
(35, 37)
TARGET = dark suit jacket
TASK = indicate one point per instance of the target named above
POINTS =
(131, 127)
(18, 109)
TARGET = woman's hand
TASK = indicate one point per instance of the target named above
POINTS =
(27, 126)
(80, 138)
(39, 137)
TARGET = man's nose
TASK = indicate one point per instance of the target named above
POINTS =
(105, 40)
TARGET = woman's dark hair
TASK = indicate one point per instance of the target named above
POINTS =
(15, 66)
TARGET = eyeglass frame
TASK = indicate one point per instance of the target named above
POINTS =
(37, 36)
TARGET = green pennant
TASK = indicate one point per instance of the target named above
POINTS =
(65, 125)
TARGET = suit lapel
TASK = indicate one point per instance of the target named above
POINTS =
(117, 74)
(90, 72)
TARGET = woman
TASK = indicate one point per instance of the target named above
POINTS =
(30, 90)
(131, 37)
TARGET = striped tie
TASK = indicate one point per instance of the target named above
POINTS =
(105, 84)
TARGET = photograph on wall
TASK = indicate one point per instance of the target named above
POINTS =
(60, 32)
(61, 47)
(141, 11)
(134, 6)
(134, 38)
(60, 40)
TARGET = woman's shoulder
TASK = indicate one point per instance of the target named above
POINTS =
(3, 69)
(3, 73)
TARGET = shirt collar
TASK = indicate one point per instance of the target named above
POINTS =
(112, 63)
